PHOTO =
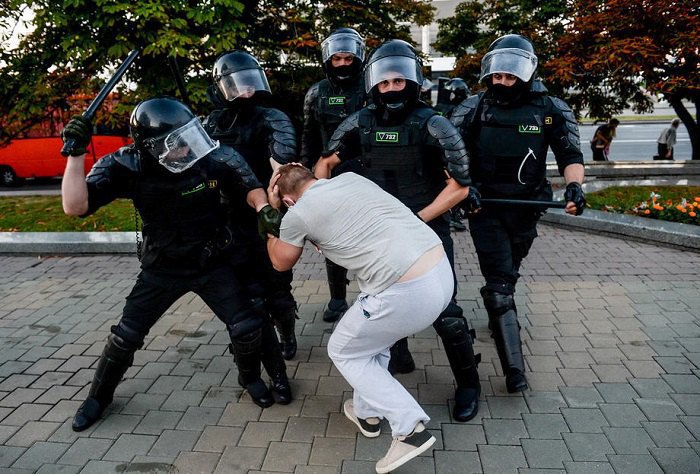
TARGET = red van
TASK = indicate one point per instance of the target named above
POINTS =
(41, 157)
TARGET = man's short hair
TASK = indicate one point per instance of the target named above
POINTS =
(292, 178)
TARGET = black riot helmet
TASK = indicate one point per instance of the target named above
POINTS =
(343, 40)
(510, 54)
(238, 74)
(456, 90)
(166, 130)
(394, 59)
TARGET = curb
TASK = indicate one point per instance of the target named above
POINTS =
(67, 243)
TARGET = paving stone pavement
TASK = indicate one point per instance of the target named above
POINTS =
(611, 332)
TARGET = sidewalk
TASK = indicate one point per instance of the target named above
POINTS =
(611, 330)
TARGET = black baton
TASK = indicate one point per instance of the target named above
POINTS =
(104, 92)
(523, 202)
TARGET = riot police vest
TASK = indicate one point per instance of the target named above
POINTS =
(394, 158)
(332, 107)
(182, 219)
(511, 150)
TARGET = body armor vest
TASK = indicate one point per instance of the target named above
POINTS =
(395, 158)
(511, 150)
(182, 220)
(332, 107)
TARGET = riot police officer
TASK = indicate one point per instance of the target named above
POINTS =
(508, 130)
(266, 138)
(326, 105)
(417, 156)
(450, 93)
(175, 173)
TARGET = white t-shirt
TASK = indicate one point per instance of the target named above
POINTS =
(359, 226)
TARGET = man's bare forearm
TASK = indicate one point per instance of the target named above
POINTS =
(74, 192)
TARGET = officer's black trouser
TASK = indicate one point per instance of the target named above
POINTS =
(218, 287)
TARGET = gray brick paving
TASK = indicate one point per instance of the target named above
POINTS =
(611, 333)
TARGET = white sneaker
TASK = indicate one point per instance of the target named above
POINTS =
(368, 427)
(405, 448)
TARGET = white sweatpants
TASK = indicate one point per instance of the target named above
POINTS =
(359, 346)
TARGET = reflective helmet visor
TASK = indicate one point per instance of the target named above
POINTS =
(391, 67)
(184, 146)
(343, 43)
(515, 61)
(242, 83)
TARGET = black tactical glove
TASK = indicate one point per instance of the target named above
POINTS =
(78, 129)
(269, 220)
(472, 203)
(575, 194)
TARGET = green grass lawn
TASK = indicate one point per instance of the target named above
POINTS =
(44, 213)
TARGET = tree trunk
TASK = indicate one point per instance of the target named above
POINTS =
(690, 124)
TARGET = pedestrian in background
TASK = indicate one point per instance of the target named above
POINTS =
(667, 140)
(603, 136)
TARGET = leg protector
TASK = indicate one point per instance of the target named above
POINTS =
(459, 349)
(337, 285)
(247, 352)
(274, 365)
(503, 320)
(117, 357)
(285, 322)
(401, 361)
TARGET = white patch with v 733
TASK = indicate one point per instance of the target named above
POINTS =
(530, 153)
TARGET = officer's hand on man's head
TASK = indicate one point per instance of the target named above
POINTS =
(574, 194)
(269, 221)
(472, 203)
(78, 129)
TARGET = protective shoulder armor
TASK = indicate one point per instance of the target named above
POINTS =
(346, 126)
(283, 143)
(210, 121)
(311, 97)
(464, 111)
(234, 160)
(107, 168)
(571, 132)
(450, 142)
(128, 157)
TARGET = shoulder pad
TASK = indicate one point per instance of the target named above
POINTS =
(128, 157)
(349, 124)
(209, 122)
(450, 142)
(234, 160)
(570, 132)
(283, 136)
(463, 111)
(313, 92)
(538, 87)
(107, 167)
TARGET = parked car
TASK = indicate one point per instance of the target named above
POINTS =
(27, 158)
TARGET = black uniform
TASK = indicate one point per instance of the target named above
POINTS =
(508, 144)
(258, 134)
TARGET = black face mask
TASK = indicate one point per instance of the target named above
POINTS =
(505, 93)
(343, 73)
(393, 100)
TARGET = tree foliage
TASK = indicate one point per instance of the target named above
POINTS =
(74, 42)
(602, 56)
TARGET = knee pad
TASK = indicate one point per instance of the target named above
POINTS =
(126, 337)
(451, 328)
(497, 303)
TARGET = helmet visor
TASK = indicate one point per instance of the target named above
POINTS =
(392, 67)
(342, 43)
(515, 61)
(184, 146)
(243, 83)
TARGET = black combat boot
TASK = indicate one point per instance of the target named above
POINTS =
(458, 343)
(337, 285)
(285, 323)
(274, 366)
(503, 322)
(116, 358)
(247, 354)
(401, 361)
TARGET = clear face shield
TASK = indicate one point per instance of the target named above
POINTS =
(342, 43)
(242, 84)
(391, 67)
(515, 61)
(183, 147)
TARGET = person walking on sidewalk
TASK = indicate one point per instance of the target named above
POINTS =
(326, 105)
(266, 138)
(175, 173)
(418, 157)
(508, 130)
(398, 260)
(667, 140)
